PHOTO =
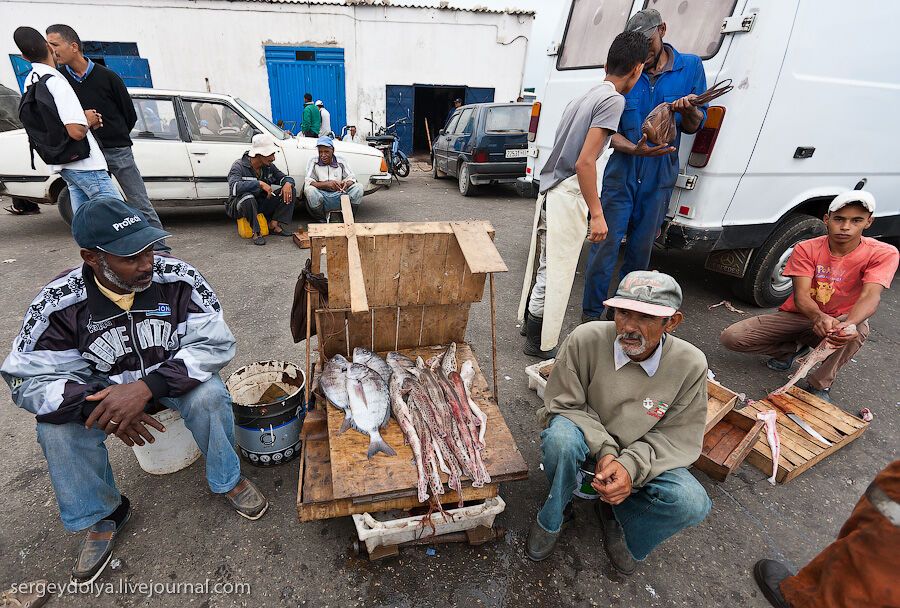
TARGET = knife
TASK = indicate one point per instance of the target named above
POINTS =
(791, 413)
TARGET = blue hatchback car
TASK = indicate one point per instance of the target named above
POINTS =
(483, 143)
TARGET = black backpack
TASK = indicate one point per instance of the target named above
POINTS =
(47, 135)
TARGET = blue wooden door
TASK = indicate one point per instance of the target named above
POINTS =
(399, 102)
(479, 95)
(294, 71)
(135, 71)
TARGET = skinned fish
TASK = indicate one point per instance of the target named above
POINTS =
(821, 352)
(467, 373)
(448, 362)
(333, 381)
(366, 357)
(404, 417)
(370, 404)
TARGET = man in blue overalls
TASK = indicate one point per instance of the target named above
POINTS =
(640, 176)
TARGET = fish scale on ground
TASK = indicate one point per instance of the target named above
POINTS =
(432, 404)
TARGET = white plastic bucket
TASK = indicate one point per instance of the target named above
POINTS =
(172, 451)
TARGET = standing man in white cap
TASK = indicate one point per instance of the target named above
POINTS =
(325, 128)
(838, 279)
(256, 185)
(630, 398)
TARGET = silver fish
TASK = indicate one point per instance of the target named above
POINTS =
(366, 357)
(333, 381)
(370, 404)
(397, 361)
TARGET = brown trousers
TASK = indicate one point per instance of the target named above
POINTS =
(860, 567)
(781, 333)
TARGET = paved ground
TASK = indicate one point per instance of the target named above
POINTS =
(180, 534)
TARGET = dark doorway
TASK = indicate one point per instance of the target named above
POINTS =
(432, 103)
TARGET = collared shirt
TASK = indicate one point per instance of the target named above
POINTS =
(650, 364)
(123, 300)
(338, 170)
(670, 61)
(87, 72)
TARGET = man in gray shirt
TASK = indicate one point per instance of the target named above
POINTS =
(568, 192)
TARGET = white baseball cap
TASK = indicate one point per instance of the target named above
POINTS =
(263, 144)
(853, 197)
(319, 103)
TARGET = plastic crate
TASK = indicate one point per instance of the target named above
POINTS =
(535, 381)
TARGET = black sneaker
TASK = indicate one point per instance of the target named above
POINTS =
(97, 545)
(768, 575)
(614, 540)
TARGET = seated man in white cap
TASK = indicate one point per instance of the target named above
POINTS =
(256, 185)
(838, 279)
(626, 402)
(328, 177)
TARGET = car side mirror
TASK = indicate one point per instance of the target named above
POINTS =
(442, 132)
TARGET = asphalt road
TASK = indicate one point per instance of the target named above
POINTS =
(180, 533)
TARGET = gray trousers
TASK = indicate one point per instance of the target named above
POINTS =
(536, 302)
(121, 164)
(249, 205)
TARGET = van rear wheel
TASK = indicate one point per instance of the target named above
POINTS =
(64, 206)
(764, 283)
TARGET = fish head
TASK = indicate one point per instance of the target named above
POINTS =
(361, 355)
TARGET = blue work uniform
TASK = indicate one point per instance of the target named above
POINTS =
(636, 189)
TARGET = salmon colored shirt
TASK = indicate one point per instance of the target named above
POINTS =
(837, 281)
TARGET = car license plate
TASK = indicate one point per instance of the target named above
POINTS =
(517, 153)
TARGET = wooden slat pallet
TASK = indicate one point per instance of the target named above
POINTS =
(799, 451)
(405, 287)
(719, 402)
(727, 444)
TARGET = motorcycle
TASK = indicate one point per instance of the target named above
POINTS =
(386, 140)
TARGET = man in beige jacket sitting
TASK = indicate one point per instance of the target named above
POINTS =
(630, 398)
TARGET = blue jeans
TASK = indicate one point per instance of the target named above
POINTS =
(85, 185)
(661, 508)
(320, 202)
(121, 164)
(639, 216)
(79, 462)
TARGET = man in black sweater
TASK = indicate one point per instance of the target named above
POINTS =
(100, 89)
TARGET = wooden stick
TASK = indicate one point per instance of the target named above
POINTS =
(358, 301)
(494, 339)
(308, 379)
(428, 135)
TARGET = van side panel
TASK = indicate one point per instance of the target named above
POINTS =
(837, 92)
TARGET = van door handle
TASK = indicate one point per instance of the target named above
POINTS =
(199, 151)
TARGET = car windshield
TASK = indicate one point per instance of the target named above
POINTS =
(265, 122)
(508, 119)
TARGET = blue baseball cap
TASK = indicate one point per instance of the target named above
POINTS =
(325, 141)
(108, 224)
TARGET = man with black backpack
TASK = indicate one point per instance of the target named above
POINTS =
(99, 88)
(58, 128)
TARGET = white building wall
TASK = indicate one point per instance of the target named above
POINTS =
(187, 42)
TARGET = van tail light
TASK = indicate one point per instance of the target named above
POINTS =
(535, 119)
(383, 165)
(480, 156)
(705, 140)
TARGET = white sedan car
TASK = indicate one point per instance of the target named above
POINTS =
(184, 145)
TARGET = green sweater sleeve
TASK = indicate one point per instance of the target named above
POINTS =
(675, 441)
(565, 396)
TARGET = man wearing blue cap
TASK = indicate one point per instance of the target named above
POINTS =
(103, 344)
(256, 185)
(328, 177)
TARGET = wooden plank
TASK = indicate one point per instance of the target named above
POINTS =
(716, 410)
(337, 265)
(358, 300)
(331, 329)
(455, 271)
(733, 436)
(354, 475)
(739, 453)
(410, 327)
(368, 257)
(434, 263)
(411, 267)
(478, 248)
(832, 409)
(818, 417)
(445, 323)
(386, 228)
(388, 248)
(726, 446)
(384, 322)
(359, 329)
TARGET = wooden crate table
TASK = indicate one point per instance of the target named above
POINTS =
(799, 451)
(404, 287)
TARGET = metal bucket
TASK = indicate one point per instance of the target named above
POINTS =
(267, 434)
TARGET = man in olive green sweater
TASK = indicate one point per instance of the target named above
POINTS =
(632, 397)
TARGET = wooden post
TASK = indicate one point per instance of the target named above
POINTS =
(428, 135)
(358, 301)
(308, 378)
(494, 339)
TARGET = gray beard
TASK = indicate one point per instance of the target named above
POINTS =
(113, 278)
(633, 351)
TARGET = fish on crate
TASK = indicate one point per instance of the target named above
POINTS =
(371, 360)
(333, 381)
(370, 406)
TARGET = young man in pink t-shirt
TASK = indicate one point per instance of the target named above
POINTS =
(838, 279)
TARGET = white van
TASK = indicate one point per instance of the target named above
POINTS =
(813, 113)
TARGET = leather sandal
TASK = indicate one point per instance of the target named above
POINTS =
(247, 500)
